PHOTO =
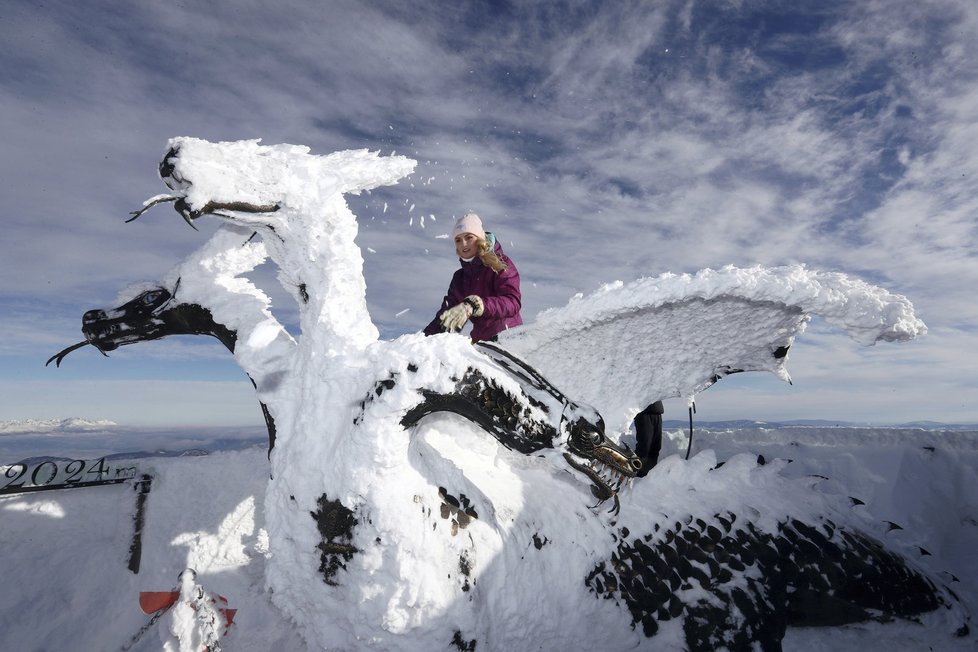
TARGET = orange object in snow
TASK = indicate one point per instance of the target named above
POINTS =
(153, 601)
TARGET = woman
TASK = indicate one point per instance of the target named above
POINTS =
(485, 290)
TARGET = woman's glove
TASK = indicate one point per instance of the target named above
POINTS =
(474, 301)
(453, 319)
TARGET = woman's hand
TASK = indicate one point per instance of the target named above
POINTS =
(453, 319)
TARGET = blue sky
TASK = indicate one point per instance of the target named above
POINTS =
(601, 141)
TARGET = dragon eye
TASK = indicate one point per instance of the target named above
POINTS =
(594, 436)
(150, 297)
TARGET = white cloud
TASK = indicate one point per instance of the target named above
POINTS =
(844, 142)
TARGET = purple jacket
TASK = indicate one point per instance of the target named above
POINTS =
(500, 294)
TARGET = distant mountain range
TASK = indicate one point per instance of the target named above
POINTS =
(744, 424)
(54, 425)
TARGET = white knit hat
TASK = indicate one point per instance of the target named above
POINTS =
(470, 223)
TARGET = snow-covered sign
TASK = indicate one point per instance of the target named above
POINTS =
(54, 474)
(429, 494)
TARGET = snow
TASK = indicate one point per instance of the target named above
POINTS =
(727, 314)
(66, 551)
(359, 532)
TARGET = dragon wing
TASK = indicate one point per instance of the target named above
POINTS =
(628, 345)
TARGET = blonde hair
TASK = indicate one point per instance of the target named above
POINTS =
(489, 257)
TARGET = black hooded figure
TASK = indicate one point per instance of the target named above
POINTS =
(648, 435)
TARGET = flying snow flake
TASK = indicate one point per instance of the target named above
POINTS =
(406, 310)
(371, 250)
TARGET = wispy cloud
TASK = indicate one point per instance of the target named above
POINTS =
(604, 141)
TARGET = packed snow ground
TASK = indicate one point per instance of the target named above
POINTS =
(64, 561)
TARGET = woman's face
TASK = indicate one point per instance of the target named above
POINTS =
(466, 245)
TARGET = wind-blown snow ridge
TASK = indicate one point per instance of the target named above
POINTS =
(675, 335)
(868, 313)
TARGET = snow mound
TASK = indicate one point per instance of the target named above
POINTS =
(207, 512)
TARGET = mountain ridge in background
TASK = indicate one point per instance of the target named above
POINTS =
(748, 424)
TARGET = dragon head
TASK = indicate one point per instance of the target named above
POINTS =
(589, 450)
(248, 183)
(152, 314)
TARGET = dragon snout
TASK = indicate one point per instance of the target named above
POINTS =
(99, 332)
(589, 441)
(97, 329)
(93, 316)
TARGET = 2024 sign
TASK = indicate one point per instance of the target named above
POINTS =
(59, 474)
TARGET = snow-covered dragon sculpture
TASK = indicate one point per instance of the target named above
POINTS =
(396, 523)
